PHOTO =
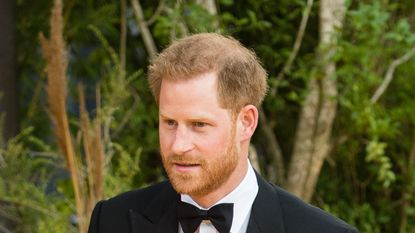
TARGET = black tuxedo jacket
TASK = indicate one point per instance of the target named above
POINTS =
(153, 210)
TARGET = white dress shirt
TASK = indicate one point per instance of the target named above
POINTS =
(242, 197)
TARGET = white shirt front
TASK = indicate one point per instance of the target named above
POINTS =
(242, 197)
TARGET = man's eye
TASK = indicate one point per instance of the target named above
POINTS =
(199, 124)
(170, 122)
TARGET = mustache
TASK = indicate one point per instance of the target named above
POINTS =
(185, 159)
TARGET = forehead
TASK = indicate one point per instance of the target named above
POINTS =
(198, 86)
(197, 95)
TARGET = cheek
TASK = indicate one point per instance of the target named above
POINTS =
(215, 142)
(165, 141)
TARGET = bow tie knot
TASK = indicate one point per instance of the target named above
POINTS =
(219, 215)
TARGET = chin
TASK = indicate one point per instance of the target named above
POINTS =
(189, 188)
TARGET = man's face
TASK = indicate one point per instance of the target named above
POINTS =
(198, 140)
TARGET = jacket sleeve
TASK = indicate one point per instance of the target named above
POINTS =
(95, 219)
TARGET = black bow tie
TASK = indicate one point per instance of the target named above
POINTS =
(190, 217)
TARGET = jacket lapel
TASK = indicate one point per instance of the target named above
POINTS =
(266, 216)
(160, 215)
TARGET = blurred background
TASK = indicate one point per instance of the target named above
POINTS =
(78, 123)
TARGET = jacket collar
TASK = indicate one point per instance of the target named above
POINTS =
(266, 215)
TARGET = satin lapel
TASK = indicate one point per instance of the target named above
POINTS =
(160, 216)
(266, 216)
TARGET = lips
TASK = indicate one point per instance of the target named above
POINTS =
(186, 164)
(185, 167)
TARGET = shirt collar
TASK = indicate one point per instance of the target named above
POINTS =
(242, 197)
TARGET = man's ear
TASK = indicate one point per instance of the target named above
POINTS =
(248, 118)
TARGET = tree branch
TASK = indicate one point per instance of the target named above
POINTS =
(145, 32)
(210, 6)
(296, 46)
(406, 190)
(332, 13)
(273, 149)
(312, 140)
(156, 14)
(127, 116)
(178, 23)
(389, 74)
(4, 229)
(303, 142)
(123, 35)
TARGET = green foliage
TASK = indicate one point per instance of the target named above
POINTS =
(121, 174)
(376, 154)
(198, 18)
(362, 215)
(24, 176)
(379, 134)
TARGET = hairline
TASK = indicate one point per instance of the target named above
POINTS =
(221, 101)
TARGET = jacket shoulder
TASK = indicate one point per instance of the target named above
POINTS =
(113, 215)
(139, 198)
(300, 216)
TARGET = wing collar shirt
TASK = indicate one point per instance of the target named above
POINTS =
(242, 196)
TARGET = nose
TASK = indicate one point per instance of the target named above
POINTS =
(182, 142)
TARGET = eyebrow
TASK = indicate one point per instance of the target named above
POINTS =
(193, 118)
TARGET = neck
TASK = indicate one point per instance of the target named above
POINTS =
(208, 200)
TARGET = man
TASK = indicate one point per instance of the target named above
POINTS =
(208, 88)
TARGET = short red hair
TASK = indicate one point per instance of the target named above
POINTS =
(241, 78)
